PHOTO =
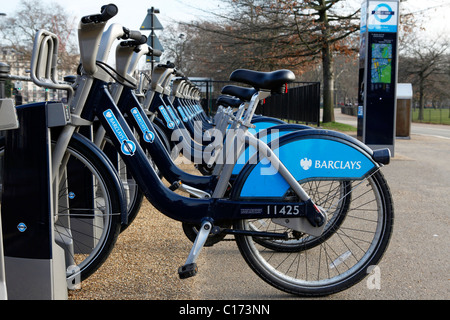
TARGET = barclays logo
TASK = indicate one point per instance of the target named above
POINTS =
(338, 165)
(148, 135)
(127, 147)
(306, 163)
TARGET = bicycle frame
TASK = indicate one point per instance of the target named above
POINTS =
(139, 121)
(129, 105)
(168, 202)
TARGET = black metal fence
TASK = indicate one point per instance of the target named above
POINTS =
(301, 103)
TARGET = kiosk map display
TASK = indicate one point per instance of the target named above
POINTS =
(381, 70)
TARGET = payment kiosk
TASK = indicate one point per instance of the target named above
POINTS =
(378, 73)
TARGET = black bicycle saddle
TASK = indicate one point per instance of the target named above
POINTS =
(274, 81)
(245, 94)
(228, 101)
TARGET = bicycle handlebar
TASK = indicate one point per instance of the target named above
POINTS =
(156, 52)
(178, 73)
(168, 65)
(149, 52)
(107, 12)
(134, 35)
(95, 44)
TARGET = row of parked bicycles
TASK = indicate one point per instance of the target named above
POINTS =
(309, 209)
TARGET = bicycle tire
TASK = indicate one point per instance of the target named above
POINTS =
(341, 260)
(162, 136)
(134, 195)
(106, 226)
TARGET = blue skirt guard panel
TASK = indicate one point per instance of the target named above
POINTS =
(308, 154)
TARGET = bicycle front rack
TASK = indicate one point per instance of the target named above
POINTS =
(44, 62)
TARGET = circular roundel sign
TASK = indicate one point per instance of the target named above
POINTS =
(128, 147)
(383, 12)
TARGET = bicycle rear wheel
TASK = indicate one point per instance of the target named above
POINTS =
(334, 197)
(338, 260)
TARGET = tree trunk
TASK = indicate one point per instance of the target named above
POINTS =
(421, 99)
(328, 84)
(327, 66)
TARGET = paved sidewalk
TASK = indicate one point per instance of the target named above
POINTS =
(424, 129)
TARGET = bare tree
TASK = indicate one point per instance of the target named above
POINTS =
(291, 34)
(18, 31)
(329, 26)
(423, 64)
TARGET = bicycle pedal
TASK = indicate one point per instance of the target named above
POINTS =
(187, 271)
(175, 185)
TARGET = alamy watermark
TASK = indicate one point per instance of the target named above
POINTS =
(235, 147)
(373, 281)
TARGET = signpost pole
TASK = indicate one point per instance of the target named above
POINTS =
(152, 23)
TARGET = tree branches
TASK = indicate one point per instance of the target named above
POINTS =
(18, 31)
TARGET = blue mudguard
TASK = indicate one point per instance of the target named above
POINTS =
(308, 155)
(266, 135)
(262, 123)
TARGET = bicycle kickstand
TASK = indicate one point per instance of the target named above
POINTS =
(189, 269)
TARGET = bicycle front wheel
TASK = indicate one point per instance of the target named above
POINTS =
(133, 193)
(340, 258)
(90, 203)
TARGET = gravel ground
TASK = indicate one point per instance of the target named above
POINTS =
(143, 264)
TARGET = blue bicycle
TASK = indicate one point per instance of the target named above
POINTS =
(310, 211)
